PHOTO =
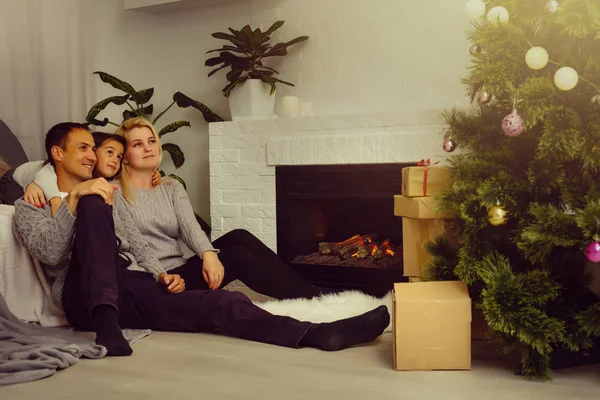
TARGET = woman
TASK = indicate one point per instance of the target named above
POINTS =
(164, 215)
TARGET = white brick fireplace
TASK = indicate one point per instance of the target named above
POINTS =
(243, 156)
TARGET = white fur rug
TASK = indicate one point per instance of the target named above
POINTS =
(328, 308)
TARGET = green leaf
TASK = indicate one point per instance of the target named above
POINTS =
(184, 101)
(143, 96)
(211, 62)
(274, 27)
(175, 152)
(96, 122)
(128, 114)
(116, 82)
(179, 179)
(231, 38)
(172, 127)
(227, 89)
(227, 48)
(214, 71)
(101, 105)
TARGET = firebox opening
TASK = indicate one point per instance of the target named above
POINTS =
(336, 225)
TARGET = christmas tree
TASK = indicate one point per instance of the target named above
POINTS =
(526, 194)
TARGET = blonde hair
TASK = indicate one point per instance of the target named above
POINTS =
(123, 130)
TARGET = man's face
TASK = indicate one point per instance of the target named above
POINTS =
(78, 157)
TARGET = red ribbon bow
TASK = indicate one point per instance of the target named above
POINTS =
(426, 164)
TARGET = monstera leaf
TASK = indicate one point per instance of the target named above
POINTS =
(172, 127)
(116, 83)
(143, 96)
(184, 101)
(101, 105)
(175, 152)
(179, 179)
(128, 114)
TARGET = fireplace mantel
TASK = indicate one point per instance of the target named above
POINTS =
(243, 156)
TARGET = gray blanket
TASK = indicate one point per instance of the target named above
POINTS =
(29, 352)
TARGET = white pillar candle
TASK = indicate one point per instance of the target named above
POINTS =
(289, 106)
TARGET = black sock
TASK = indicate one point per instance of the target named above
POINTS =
(338, 335)
(108, 331)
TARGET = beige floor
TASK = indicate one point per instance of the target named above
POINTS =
(203, 366)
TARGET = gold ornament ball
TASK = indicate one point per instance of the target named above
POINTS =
(536, 58)
(497, 215)
(566, 78)
(484, 97)
(475, 9)
(551, 6)
(498, 15)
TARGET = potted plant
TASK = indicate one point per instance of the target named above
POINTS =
(251, 86)
(141, 108)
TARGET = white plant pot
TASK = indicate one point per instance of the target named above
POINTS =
(251, 100)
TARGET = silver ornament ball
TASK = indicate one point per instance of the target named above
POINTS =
(475, 49)
(449, 145)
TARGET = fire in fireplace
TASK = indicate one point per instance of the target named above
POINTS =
(357, 251)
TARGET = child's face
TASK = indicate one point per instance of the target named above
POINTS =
(109, 159)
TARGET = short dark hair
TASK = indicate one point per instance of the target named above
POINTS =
(101, 137)
(58, 135)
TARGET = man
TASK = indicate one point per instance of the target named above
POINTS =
(70, 149)
(104, 289)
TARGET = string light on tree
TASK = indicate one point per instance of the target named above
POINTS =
(536, 58)
(566, 78)
(551, 6)
(498, 14)
(475, 9)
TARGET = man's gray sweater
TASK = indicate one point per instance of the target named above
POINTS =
(50, 239)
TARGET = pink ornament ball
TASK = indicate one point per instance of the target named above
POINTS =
(592, 252)
(513, 124)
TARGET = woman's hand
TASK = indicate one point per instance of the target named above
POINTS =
(155, 178)
(34, 195)
(172, 282)
(212, 269)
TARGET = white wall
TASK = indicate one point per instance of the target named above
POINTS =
(363, 56)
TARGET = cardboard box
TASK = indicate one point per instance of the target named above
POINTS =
(414, 234)
(425, 181)
(431, 326)
(418, 207)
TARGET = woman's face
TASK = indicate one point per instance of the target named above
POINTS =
(109, 156)
(142, 149)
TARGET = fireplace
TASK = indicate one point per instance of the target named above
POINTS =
(336, 226)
